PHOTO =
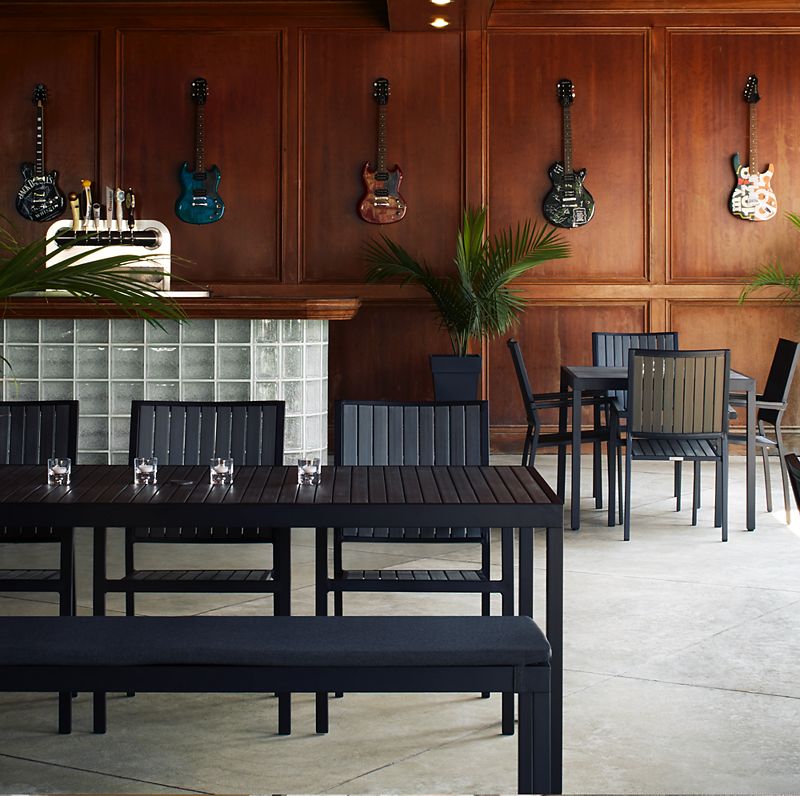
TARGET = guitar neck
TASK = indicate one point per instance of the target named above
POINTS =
(753, 138)
(39, 165)
(200, 138)
(567, 121)
(380, 162)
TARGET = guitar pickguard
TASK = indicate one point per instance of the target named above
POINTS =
(568, 204)
(199, 202)
(382, 202)
(39, 198)
(752, 198)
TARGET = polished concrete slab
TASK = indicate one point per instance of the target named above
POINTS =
(682, 675)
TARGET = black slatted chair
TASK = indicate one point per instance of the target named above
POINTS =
(402, 433)
(535, 438)
(31, 432)
(678, 411)
(610, 349)
(770, 407)
(192, 432)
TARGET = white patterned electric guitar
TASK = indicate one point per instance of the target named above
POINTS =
(752, 198)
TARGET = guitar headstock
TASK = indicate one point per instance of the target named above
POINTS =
(565, 92)
(199, 90)
(381, 90)
(751, 90)
(40, 94)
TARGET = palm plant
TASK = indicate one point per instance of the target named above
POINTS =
(773, 275)
(477, 301)
(26, 267)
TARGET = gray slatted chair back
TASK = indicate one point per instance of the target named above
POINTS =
(401, 433)
(31, 432)
(192, 432)
(531, 412)
(611, 349)
(779, 380)
(678, 393)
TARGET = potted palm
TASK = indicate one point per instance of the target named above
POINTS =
(477, 301)
(26, 268)
(773, 275)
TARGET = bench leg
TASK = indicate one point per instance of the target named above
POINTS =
(507, 561)
(534, 743)
(65, 712)
(322, 713)
(321, 609)
(99, 699)
(284, 714)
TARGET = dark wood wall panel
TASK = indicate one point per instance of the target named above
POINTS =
(382, 354)
(243, 138)
(609, 72)
(67, 65)
(708, 123)
(551, 335)
(424, 136)
(751, 334)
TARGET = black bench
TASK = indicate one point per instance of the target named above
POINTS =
(289, 654)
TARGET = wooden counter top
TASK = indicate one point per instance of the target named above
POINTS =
(331, 309)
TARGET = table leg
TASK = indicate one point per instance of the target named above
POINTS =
(99, 609)
(554, 617)
(575, 508)
(507, 558)
(751, 458)
(321, 563)
(562, 450)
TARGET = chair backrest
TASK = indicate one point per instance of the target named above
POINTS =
(410, 433)
(779, 380)
(31, 432)
(678, 393)
(524, 382)
(610, 349)
(192, 432)
(793, 468)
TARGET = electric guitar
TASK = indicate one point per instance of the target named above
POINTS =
(752, 197)
(568, 203)
(381, 203)
(39, 198)
(199, 202)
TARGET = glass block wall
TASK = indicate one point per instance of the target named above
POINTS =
(107, 363)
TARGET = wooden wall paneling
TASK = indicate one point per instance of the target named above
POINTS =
(424, 136)
(608, 70)
(243, 138)
(382, 354)
(750, 330)
(67, 65)
(550, 335)
(708, 123)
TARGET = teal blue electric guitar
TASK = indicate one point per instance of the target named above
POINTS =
(199, 202)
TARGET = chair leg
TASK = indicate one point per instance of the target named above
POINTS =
(507, 609)
(561, 475)
(612, 467)
(724, 490)
(787, 499)
(486, 597)
(597, 473)
(619, 483)
(627, 522)
(678, 468)
(526, 448)
(718, 494)
(765, 459)
(695, 492)
(130, 605)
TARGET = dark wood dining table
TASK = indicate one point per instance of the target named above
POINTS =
(579, 378)
(103, 496)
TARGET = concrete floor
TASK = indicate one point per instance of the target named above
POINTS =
(682, 675)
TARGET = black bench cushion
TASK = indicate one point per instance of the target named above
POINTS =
(271, 641)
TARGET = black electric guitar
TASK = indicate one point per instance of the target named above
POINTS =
(39, 198)
(199, 202)
(381, 202)
(752, 197)
(568, 204)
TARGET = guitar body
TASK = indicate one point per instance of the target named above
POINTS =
(199, 202)
(382, 202)
(39, 198)
(752, 197)
(568, 204)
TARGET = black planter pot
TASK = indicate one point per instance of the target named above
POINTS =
(456, 378)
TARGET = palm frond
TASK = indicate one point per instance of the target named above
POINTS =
(773, 275)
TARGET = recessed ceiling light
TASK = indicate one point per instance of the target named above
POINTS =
(441, 2)
(439, 22)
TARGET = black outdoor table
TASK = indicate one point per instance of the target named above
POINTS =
(103, 496)
(594, 377)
